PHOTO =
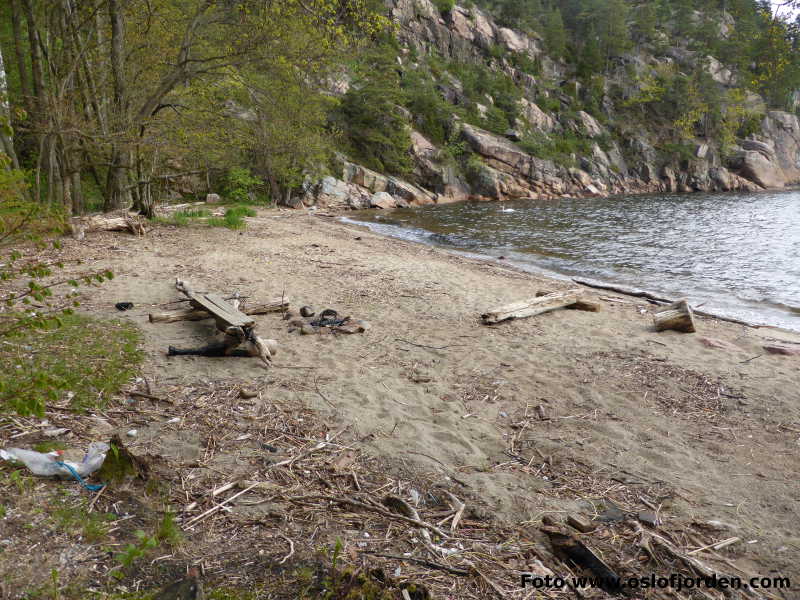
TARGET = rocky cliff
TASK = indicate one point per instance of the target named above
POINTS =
(606, 157)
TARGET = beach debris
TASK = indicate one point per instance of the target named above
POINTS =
(581, 524)
(52, 464)
(782, 349)
(238, 328)
(649, 518)
(677, 316)
(538, 305)
(570, 549)
(130, 222)
(328, 321)
(717, 344)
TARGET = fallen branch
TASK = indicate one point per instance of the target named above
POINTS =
(423, 562)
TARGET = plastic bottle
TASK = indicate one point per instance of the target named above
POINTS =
(39, 463)
(47, 464)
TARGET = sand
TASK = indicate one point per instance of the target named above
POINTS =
(516, 413)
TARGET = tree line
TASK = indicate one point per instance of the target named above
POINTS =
(102, 101)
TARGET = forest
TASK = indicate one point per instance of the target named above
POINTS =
(111, 104)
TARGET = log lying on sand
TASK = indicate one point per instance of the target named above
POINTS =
(535, 306)
(677, 316)
(132, 223)
(193, 314)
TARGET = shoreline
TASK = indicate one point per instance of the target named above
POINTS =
(731, 307)
(551, 415)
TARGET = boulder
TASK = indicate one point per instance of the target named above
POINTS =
(509, 156)
(755, 167)
(382, 200)
(719, 72)
(213, 199)
(513, 41)
(536, 117)
(589, 124)
(782, 131)
(332, 192)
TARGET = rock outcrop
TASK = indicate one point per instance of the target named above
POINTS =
(494, 167)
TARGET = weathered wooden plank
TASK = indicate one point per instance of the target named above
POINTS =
(531, 307)
(194, 314)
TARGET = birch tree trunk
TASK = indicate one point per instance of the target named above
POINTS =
(6, 133)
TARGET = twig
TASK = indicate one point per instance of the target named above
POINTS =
(459, 508)
(430, 347)
(214, 509)
(715, 545)
(749, 359)
(380, 511)
(291, 549)
(150, 397)
(423, 562)
(321, 395)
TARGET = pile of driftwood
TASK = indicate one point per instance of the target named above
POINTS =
(677, 316)
(237, 329)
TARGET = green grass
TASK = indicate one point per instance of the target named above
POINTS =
(86, 360)
(233, 218)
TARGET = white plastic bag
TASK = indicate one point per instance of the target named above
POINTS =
(50, 464)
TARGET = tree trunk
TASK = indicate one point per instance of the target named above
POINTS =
(22, 69)
(677, 316)
(117, 193)
(6, 133)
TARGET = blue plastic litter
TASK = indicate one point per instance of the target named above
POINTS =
(89, 486)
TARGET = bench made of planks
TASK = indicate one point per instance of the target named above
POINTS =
(238, 327)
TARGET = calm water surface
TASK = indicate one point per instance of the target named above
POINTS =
(737, 254)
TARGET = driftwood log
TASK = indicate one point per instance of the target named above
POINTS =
(677, 316)
(132, 223)
(536, 306)
(194, 314)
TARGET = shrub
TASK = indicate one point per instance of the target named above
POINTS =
(444, 6)
(558, 148)
(82, 359)
(240, 184)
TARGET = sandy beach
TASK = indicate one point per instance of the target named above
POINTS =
(552, 415)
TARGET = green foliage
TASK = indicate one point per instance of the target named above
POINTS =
(444, 6)
(134, 552)
(240, 185)
(555, 35)
(168, 531)
(375, 131)
(562, 149)
(431, 112)
(84, 360)
(481, 84)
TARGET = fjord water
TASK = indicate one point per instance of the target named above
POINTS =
(737, 255)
